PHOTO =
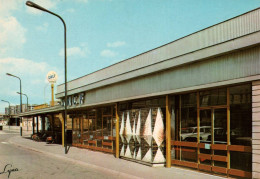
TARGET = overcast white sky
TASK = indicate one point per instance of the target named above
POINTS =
(99, 33)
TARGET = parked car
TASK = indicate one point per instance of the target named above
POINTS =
(190, 134)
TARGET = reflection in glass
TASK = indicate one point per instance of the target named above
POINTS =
(98, 131)
(241, 115)
(205, 134)
(107, 126)
(85, 132)
(220, 126)
(76, 134)
(241, 125)
(205, 126)
(213, 97)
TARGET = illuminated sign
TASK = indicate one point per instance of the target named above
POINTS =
(52, 76)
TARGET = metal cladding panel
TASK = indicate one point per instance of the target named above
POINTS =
(225, 31)
(237, 65)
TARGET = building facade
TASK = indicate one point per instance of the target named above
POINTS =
(193, 102)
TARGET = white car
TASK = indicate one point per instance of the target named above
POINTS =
(190, 134)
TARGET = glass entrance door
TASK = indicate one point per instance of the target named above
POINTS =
(213, 134)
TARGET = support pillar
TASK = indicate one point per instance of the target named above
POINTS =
(117, 132)
(52, 124)
(168, 132)
(43, 123)
(37, 124)
(33, 124)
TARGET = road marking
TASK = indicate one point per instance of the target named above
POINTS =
(4, 142)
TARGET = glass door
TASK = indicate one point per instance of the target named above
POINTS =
(205, 136)
(213, 137)
(76, 130)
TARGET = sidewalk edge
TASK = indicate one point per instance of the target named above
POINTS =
(114, 172)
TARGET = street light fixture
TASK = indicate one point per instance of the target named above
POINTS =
(31, 4)
(20, 99)
(20, 89)
(26, 98)
(26, 107)
(8, 109)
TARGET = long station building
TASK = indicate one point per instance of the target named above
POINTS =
(194, 102)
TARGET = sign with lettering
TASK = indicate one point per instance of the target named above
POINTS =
(69, 100)
(52, 76)
(81, 98)
(75, 100)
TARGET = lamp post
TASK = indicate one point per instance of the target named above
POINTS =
(26, 105)
(9, 114)
(31, 4)
(26, 98)
(20, 99)
(20, 90)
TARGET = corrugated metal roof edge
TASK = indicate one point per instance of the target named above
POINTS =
(163, 45)
(60, 93)
(42, 111)
(230, 82)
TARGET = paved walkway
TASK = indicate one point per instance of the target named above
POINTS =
(106, 162)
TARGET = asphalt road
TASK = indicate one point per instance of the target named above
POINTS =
(24, 163)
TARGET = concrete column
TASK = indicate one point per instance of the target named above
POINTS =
(37, 124)
(256, 129)
(33, 124)
(52, 124)
(43, 123)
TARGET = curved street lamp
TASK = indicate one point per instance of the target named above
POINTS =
(31, 4)
(20, 89)
(26, 98)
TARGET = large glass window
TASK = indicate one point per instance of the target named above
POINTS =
(216, 140)
(92, 122)
(188, 119)
(95, 128)
(76, 134)
(85, 131)
(213, 97)
(98, 131)
(241, 125)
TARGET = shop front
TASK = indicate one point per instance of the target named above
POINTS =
(194, 102)
(94, 128)
(212, 130)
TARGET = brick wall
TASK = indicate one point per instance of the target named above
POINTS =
(256, 129)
